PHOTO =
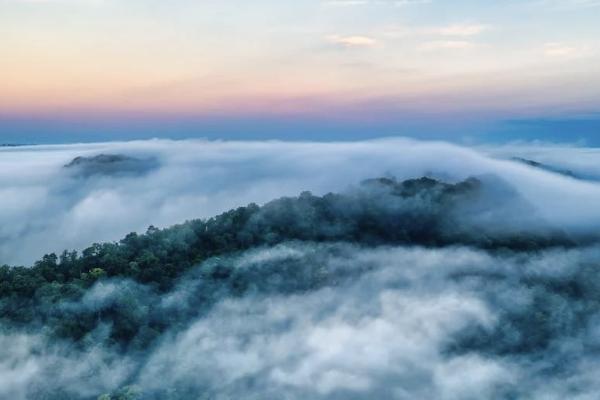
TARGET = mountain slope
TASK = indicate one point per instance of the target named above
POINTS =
(175, 313)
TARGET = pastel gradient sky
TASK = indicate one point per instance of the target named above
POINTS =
(81, 70)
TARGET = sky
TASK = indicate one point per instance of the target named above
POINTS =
(460, 70)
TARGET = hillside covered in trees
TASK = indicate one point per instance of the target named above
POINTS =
(127, 306)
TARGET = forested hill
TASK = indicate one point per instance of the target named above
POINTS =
(381, 211)
(128, 296)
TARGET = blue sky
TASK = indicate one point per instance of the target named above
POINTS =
(88, 70)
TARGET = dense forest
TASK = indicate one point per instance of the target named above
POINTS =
(121, 288)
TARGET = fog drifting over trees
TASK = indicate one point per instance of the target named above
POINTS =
(389, 269)
(183, 180)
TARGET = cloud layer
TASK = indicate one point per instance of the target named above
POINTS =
(304, 320)
(397, 323)
(39, 197)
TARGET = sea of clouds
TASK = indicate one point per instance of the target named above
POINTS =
(382, 322)
(395, 323)
(46, 207)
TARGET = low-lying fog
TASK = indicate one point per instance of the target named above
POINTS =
(69, 196)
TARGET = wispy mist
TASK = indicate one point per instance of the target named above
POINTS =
(190, 179)
(383, 322)
(480, 283)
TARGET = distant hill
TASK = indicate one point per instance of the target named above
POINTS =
(546, 167)
(110, 164)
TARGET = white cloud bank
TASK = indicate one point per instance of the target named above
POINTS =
(44, 208)
(384, 329)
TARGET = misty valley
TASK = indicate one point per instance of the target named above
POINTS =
(436, 279)
(299, 200)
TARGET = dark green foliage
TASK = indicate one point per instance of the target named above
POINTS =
(129, 295)
(381, 212)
